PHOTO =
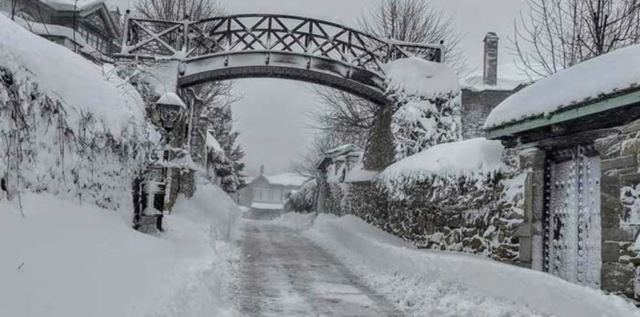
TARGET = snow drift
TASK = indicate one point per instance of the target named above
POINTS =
(66, 259)
(70, 128)
(429, 283)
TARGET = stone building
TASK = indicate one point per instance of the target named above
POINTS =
(578, 135)
(483, 92)
(83, 26)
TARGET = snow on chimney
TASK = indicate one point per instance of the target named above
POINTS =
(490, 74)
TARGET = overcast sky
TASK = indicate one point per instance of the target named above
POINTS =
(272, 115)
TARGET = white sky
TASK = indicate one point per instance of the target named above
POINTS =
(271, 117)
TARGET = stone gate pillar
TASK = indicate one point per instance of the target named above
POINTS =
(532, 162)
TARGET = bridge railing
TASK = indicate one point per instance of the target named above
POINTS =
(270, 33)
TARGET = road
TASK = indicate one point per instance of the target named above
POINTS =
(285, 274)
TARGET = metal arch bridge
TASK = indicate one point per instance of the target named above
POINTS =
(267, 45)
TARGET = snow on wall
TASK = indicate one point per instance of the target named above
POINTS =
(590, 79)
(68, 127)
(463, 196)
(475, 156)
(427, 96)
(71, 78)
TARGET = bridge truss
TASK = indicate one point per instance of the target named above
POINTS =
(226, 40)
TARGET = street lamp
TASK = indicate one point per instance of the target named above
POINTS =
(170, 107)
(152, 188)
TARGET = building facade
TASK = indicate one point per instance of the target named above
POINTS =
(269, 192)
(481, 93)
(85, 26)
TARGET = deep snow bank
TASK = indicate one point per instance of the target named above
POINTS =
(65, 259)
(61, 73)
(69, 127)
(428, 283)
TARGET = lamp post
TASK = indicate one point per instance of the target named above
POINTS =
(153, 187)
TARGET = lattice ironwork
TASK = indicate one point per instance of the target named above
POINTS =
(227, 35)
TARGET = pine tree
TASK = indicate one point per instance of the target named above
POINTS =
(221, 125)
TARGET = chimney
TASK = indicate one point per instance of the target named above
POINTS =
(261, 169)
(490, 74)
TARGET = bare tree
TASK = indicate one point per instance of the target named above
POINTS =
(556, 34)
(349, 118)
(174, 10)
(415, 21)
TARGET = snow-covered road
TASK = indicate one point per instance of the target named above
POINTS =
(285, 274)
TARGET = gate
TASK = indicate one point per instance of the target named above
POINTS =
(572, 230)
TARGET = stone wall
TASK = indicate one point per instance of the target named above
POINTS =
(620, 212)
(476, 106)
(468, 214)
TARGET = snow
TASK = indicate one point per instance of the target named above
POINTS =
(267, 206)
(588, 80)
(66, 259)
(510, 77)
(417, 77)
(287, 179)
(432, 283)
(170, 98)
(213, 144)
(295, 221)
(86, 87)
(455, 159)
(72, 4)
(359, 174)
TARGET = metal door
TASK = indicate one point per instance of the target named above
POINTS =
(572, 224)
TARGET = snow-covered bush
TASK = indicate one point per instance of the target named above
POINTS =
(49, 147)
(303, 199)
(428, 105)
(67, 126)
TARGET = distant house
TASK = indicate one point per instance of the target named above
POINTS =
(84, 26)
(481, 93)
(270, 192)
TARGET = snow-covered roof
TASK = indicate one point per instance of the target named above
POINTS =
(286, 179)
(589, 80)
(44, 29)
(510, 77)
(342, 150)
(458, 158)
(71, 5)
(170, 98)
(267, 206)
(79, 83)
(417, 77)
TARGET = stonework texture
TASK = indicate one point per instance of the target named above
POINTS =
(620, 210)
(476, 106)
(475, 215)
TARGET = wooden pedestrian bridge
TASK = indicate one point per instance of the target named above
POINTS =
(272, 46)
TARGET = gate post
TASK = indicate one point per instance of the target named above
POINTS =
(532, 162)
